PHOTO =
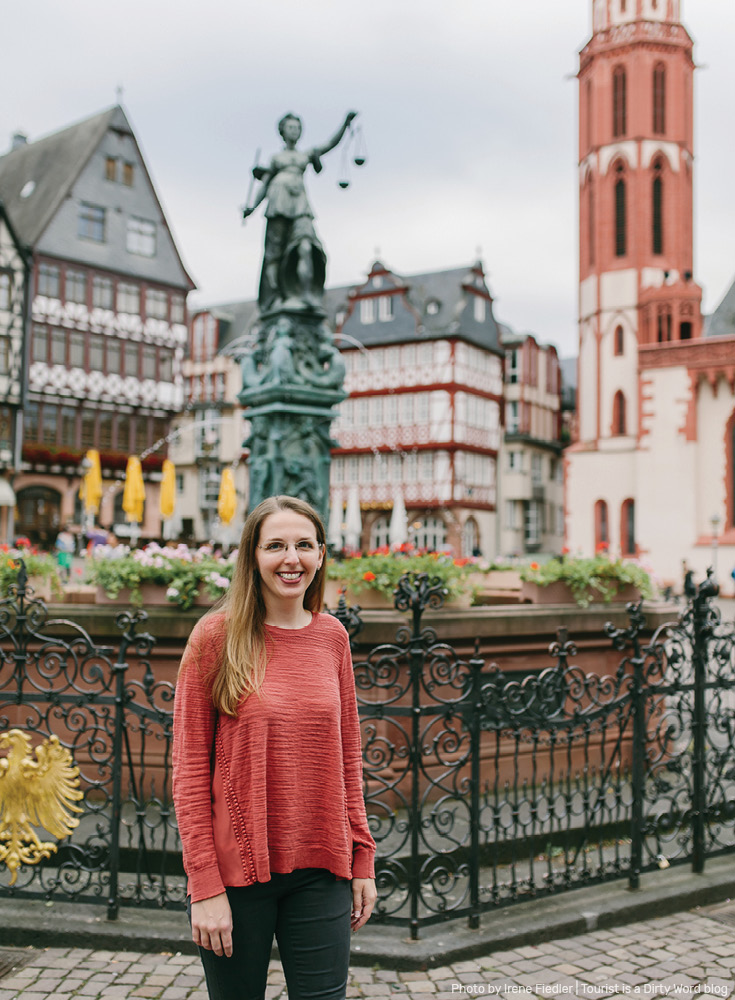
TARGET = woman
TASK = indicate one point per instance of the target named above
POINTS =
(294, 262)
(268, 771)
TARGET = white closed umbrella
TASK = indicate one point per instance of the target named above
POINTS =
(334, 528)
(398, 527)
(353, 519)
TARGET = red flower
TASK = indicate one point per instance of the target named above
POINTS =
(461, 562)
(602, 547)
(368, 576)
(533, 566)
(565, 550)
(23, 543)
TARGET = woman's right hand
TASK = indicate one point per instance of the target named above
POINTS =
(211, 924)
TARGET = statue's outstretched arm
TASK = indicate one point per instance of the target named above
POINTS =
(337, 137)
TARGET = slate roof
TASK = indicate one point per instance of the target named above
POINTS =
(722, 321)
(411, 320)
(52, 164)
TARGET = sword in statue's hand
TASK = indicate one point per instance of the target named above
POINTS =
(247, 210)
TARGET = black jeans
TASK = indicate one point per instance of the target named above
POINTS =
(308, 911)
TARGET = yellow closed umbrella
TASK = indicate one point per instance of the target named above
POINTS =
(168, 489)
(134, 491)
(90, 488)
(227, 500)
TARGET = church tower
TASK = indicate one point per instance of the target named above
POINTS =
(636, 287)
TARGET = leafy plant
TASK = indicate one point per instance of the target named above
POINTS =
(182, 571)
(382, 569)
(41, 565)
(596, 578)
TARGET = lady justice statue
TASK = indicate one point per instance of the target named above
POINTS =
(294, 262)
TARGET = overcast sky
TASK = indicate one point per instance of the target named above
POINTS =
(468, 110)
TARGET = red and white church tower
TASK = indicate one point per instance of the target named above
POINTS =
(648, 473)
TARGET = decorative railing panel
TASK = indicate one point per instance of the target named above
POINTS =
(483, 787)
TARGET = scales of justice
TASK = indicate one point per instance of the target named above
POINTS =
(293, 376)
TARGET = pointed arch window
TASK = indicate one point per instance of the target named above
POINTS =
(602, 533)
(618, 418)
(659, 99)
(619, 343)
(619, 101)
(621, 229)
(657, 205)
(627, 527)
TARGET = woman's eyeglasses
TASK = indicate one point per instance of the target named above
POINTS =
(305, 546)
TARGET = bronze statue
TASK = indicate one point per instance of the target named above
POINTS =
(294, 262)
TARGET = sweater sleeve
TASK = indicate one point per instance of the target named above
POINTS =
(363, 845)
(193, 740)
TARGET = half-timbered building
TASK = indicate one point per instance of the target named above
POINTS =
(108, 318)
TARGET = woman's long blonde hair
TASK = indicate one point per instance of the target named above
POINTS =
(242, 666)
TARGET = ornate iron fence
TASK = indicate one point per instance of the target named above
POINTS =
(483, 788)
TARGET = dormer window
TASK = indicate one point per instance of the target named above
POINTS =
(432, 307)
(479, 309)
(367, 311)
(385, 308)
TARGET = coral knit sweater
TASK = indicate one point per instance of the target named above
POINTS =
(279, 787)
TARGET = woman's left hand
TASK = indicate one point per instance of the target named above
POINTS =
(364, 895)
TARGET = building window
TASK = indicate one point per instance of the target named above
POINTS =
(430, 534)
(514, 461)
(379, 532)
(537, 469)
(657, 233)
(618, 420)
(58, 347)
(68, 426)
(480, 309)
(5, 291)
(602, 535)
(367, 311)
(49, 423)
(88, 422)
(91, 222)
(627, 528)
(620, 219)
(39, 344)
(659, 99)
(110, 168)
(619, 102)
(385, 308)
(76, 287)
(156, 303)
(96, 354)
(102, 293)
(512, 366)
(105, 428)
(128, 299)
(141, 237)
(128, 174)
(166, 373)
(131, 359)
(432, 307)
(177, 309)
(142, 425)
(619, 340)
(123, 432)
(470, 538)
(149, 362)
(113, 356)
(533, 523)
(48, 281)
(511, 417)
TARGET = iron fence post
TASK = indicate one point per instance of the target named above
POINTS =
(638, 777)
(119, 668)
(416, 671)
(476, 665)
(701, 617)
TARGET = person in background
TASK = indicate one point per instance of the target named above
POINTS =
(65, 545)
(267, 771)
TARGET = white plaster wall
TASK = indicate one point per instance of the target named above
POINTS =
(626, 149)
(650, 147)
(588, 297)
(618, 290)
(619, 372)
(587, 396)
(713, 413)
(593, 476)
(666, 470)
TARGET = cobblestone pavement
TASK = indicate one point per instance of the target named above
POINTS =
(690, 955)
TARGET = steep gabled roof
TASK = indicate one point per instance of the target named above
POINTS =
(36, 177)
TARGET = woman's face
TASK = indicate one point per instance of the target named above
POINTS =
(291, 130)
(287, 556)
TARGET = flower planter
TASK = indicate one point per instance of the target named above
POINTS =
(371, 599)
(496, 586)
(152, 594)
(560, 592)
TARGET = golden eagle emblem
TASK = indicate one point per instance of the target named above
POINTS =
(39, 792)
